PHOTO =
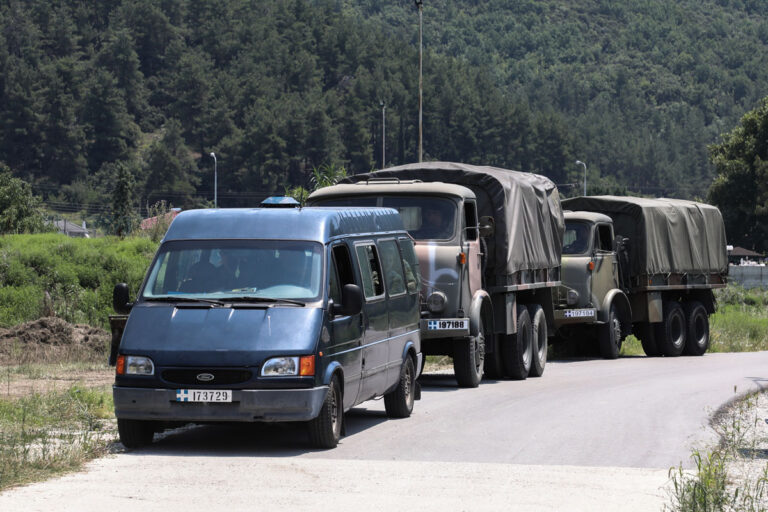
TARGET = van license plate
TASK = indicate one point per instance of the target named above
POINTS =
(203, 395)
(448, 323)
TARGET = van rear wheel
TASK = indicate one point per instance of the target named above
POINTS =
(399, 402)
(468, 359)
(517, 352)
(135, 433)
(325, 429)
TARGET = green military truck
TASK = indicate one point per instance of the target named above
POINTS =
(488, 242)
(646, 266)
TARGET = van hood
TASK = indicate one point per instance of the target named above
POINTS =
(219, 336)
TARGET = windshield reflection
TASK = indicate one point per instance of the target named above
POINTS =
(219, 269)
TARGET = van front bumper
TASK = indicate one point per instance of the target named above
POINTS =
(248, 405)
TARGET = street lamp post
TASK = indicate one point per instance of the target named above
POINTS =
(215, 180)
(383, 134)
(579, 162)
(420, 5)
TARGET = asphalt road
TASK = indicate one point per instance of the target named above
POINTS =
(587, 434)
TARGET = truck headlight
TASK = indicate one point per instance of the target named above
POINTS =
(135, 365)
(573, 297)
(436, 302)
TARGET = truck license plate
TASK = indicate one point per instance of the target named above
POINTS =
(203, 395)
(448, 323)
(579, 313)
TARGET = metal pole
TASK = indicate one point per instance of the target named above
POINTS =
(215, 180)
(420, 5)
(383, 135)
(579, 162)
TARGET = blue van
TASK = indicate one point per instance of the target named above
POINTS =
(269, 314)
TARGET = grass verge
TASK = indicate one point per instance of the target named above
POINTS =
(42, 435)
(734, 475)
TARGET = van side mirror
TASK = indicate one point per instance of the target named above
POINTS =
(351, 301)
(121, 299)
(487, 227)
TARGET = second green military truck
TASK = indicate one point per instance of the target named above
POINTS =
(646, 266)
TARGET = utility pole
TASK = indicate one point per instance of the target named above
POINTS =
(579, 162)
(420, 5)
(215, 180)
(383, 134)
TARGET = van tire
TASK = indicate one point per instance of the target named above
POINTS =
(670, 333)
(517, 352)
(540, 340)
(325, 429)
(609, 335)
(644, 331)
(697, 328)
(399, 402)
(135, 433)
(468, 359)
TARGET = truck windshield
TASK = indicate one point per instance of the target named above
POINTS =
(221, 269)
(425, 218)
(576, 238)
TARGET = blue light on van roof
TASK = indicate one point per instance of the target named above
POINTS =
(280, 202)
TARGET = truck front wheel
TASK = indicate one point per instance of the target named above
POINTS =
(610, 335)
(697, 328)
(670, 333)
(468, 358)
(517, 352)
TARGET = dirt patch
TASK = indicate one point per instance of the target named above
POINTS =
(56, 379)
(52, 339)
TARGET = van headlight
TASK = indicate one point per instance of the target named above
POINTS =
(135, 365)
(280, 366)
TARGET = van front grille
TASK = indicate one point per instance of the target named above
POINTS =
(220, 377)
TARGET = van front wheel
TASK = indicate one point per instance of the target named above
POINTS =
(399, 402)
(325, 430)
(135, 433)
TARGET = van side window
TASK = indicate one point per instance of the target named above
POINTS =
(604, 239)
(411, 265)
(393, 268)
(370, 270)
(340, 272)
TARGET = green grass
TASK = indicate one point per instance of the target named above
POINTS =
(78, 274)
(46, 434)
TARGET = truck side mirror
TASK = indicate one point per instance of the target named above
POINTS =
(121, 299)
(351, 301)
(487, 227)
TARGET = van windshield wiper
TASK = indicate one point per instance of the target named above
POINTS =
(215, 302)
(246, 298)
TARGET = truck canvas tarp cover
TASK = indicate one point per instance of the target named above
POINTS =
(666, 235)
(525, 208)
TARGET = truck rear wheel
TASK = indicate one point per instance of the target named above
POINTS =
(135, 433)
(468, 358)
(517, 352)
(493, 367)
(697, 328)
(644, 331)
(609, 335)
(670, 333)
(539, 330)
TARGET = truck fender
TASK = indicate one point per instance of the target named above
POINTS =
(481, 305)
(621, 301)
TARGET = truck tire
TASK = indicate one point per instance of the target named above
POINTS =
(493, 367)
(670, 333)
(399, 402)
(697, 328)
(644, 331)
(540, 340)
(135, 433)
(325, 429)
(517, 352)
(468, 359)
(609, 335)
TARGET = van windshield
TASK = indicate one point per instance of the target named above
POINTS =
(576, 238)
(221, 269)
(425, 218)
